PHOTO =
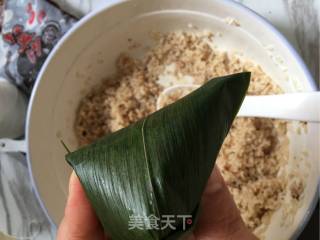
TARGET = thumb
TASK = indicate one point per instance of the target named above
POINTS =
(221, 218)
(80, 221)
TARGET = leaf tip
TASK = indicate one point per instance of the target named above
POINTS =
(65, 146)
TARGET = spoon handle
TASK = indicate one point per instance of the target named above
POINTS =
(291, 106)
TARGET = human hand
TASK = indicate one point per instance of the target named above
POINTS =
(219, 217)
(80, 221)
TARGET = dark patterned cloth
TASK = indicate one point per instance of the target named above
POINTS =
(30, 30)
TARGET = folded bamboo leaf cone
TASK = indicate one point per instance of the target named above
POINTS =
(159, 166)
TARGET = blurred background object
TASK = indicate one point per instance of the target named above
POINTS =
(78, 8)
(13, 106)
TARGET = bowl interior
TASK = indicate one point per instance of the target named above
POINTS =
(88, 54)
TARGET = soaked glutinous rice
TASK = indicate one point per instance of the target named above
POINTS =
(255, 149)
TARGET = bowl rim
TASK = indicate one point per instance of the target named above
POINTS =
(111, 3)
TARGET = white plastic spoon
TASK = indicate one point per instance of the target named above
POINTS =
(289, 106)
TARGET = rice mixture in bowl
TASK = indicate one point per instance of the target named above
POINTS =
(255, 150)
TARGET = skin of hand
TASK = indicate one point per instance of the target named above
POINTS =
(219, 217)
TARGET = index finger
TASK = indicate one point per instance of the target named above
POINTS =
(80, 221)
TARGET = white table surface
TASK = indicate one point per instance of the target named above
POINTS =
(20, 213)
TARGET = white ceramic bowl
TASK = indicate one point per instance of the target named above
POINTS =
(87, 54)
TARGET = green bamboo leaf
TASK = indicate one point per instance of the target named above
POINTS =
(159, 165)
